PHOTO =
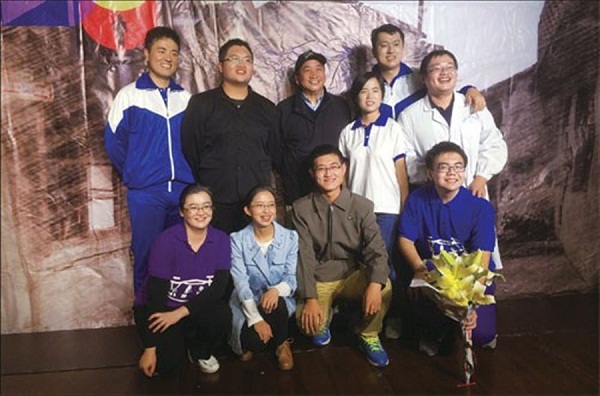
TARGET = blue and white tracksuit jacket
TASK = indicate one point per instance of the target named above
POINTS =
(143, 142)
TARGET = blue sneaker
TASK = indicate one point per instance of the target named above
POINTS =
(376, 355)
(323, 338)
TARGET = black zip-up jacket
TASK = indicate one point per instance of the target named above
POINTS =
(230, 145)
(301, 130)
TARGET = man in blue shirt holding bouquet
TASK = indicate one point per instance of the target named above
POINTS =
(444, 215)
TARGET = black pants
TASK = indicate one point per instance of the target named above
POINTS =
(277, 319)
(202, 334)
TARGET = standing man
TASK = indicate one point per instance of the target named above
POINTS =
(341, 255)
(403, 86)
(229, 136)
(308, 119)
(446, 216)
(142, 141)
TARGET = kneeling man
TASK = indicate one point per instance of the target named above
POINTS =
(341, 256)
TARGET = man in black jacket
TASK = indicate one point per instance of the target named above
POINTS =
(310, 118)
(229, 136)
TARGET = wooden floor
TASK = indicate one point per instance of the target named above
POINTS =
(546, 346)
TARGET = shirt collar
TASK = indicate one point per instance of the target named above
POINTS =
(145, 82)
(380, 121)
(313, 106)
(404, 70)
(181, 234)
(342, 201)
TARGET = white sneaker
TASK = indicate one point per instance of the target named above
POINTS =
(492, 344)
(209, 366)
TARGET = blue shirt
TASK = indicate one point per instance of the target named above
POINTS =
(466, 223)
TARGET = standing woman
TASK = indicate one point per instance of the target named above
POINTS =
(263, 266)
(182, 309)
(374, 146)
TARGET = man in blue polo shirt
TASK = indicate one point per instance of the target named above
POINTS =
(444, 215)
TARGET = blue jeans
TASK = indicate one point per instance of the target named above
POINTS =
(388, 227)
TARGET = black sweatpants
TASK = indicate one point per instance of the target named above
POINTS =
(202, 334)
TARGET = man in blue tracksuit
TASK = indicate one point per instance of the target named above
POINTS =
(143, 142)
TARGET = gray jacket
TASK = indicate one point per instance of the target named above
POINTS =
(336, 239)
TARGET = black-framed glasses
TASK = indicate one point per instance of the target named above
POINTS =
(206, 208)
(445, 168)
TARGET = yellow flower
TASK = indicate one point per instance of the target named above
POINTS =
(462, 279)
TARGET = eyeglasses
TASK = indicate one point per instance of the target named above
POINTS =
(206, 208)
(445, 168)
(264, 206)
(441, 69)
(237, 60)
(333, 168)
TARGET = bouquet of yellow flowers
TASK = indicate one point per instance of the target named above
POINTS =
(457, 285)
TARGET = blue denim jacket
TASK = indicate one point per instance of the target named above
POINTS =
(254, 273)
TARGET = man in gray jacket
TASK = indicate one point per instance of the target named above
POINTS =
(341, 256)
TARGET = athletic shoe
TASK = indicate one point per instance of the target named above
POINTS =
(373, 350)
(429, 345)
(393, 328)
(208, 366)
(492, 344)
(323, 338)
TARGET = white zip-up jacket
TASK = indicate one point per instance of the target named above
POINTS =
(476, 133)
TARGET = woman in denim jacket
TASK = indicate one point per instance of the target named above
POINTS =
(264, 256)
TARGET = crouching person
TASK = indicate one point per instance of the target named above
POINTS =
(444, 215)
(181, 309)
(264, 256)
(341, 256)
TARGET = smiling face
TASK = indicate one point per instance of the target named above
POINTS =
(311, 77)
(162, 60)
(262, 210)
(369, 97)
(388, 51)
(441, 75)
(448, 173)
(329, 172)
(197, 211)
(237, 67)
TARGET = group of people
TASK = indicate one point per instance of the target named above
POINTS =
(368, 198)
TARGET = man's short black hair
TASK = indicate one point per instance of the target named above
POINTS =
(443, 148)
(435, 53)
(158, 33)
(387, 28)
(233, 42)
(324, 149)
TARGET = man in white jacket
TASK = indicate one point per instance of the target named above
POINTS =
(442, 115)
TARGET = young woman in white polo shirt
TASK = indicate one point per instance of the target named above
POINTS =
(374, 148)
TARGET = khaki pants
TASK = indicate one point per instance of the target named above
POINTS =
(352, 288)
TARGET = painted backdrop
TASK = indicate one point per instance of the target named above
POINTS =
(65, 230)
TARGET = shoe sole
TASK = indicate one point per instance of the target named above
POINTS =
(378, 365)
(210, 371)
(322, 343)
(372, 363)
